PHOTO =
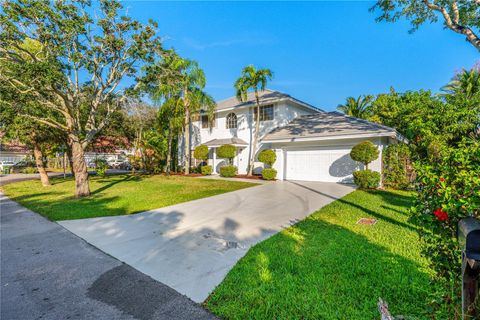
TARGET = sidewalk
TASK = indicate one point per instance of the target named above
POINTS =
(49, 273)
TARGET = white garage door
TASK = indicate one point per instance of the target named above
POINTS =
(323, 164)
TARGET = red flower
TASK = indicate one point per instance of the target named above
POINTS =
(440, 214)
(442, 179)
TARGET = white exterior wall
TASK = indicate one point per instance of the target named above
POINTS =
(284, 112)
(282, 148)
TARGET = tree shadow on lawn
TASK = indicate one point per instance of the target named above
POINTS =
(111, 183)
(405, 201)
(317, 270)
(69, 207)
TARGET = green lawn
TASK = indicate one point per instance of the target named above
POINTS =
(114, 195)
(328, 267)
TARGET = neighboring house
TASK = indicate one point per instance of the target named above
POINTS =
(310, 144)
(13, 151)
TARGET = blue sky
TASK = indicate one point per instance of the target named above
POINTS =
(320, 52)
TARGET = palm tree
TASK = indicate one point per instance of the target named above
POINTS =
(254, 79)
(194, 99)
(178, 85)
(358, 108)
(466, 83)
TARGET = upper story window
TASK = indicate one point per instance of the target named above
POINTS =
(231, 121)
(207, 124)
(266, 112)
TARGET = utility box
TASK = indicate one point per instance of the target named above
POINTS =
(469, 241)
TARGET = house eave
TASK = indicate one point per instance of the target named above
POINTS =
(394, 135)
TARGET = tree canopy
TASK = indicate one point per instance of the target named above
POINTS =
(75, 69)
(459, 16)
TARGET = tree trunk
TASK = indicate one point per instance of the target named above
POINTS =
(187, 142)
(255, 137)
(169, 150)
(82, 189)
(70, 161)
(37, 153)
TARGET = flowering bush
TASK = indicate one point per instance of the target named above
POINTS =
(448, 190)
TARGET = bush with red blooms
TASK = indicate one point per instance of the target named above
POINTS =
(448, 189)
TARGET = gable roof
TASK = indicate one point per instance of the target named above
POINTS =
(266, 97)
(219, 142)
(328, 125)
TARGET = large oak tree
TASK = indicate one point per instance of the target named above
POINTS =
(88, 56)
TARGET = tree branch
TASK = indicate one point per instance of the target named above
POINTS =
(48, 122)
(453, 24)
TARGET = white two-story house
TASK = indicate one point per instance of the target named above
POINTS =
(310, 144)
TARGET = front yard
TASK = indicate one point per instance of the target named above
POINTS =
(329, 267)
(114, 195)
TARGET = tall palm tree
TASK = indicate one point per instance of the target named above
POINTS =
(256, 80)
(177, 84)
(194, 100)
(358, 108)
(466, 83)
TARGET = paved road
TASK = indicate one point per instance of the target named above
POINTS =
(192, 246)
(49, 273)
(17, 177)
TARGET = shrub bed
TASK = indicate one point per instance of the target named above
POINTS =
(269, 174)
(206, 170)
(228, 171)
(366, 179)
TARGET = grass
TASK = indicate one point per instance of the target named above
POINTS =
(328, 267)
(114, 195)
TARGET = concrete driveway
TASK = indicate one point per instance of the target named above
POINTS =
(192, 246)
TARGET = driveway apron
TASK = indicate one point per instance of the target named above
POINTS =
(191, 246)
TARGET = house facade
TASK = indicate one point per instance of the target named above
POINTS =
(310, 144)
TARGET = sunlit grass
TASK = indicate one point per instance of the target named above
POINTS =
(114, 195)
(329, 267)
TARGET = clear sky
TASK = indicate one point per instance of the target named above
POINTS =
(320, 52)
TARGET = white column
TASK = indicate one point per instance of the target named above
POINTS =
(214, 160)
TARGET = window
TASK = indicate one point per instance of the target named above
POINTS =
(206, 123)
(266, 112)
(231, 121)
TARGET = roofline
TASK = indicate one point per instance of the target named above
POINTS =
(233, 144)
(264, 103)
(391, 134)
(364, 120)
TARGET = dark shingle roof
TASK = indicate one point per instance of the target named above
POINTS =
(327, 124)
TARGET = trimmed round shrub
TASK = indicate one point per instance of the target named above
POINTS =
(364, 152)
(366, 179)
(206, 170)
(228, 171)
(101, 167)
(269, 174)
(227, 151)
(201, 152)
(267, 156)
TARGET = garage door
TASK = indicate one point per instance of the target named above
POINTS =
(326, 164)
